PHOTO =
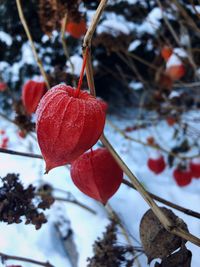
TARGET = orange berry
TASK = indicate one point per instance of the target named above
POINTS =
(166, 52)
(176, 72)
(76, 29)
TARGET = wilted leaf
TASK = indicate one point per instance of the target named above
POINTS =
(181, 258)
(158, 242)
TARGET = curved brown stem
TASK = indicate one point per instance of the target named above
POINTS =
(6, 257)
(17, 153)
(38, 60)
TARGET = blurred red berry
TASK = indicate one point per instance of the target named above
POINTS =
(176, 72)
(4, 143)
(3, 86)
(2, 132)
(150, 140)
(195, 169)
(21, 134)
(156, 165)
(182, 177)
(171, 121)
(76, 29)
(166, 52)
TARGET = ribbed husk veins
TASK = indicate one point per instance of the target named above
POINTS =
(68, 124)
(97, 174)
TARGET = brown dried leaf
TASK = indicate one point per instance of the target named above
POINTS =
(158, 242)
(181, 258)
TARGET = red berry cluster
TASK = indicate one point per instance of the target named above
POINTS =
(183, 176)
(4, 139)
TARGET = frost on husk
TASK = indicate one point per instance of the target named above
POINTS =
(68, 125)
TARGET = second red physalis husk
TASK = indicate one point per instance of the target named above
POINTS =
(97, 174)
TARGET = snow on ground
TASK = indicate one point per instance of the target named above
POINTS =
(44, 244)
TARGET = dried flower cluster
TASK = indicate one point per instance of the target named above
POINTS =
(108, 253)
(51, 13)
(17, 202)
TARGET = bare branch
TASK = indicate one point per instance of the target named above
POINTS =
(6, 257)
(24, 23)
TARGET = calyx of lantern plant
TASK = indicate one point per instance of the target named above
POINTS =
(69, 122)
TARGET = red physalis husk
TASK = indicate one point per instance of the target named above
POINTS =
(97, 174)
(166, 52)
(156, 165)
(176, 72)
(68, 124)
(3, 86)
(76, 29)
(32, 92)
(195, 168)
(182, 177)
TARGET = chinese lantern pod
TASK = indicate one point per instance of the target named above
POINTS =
(32, 92)
(156, 165)
(166, 52)
(97, 174)
(195, 169)
(68, 125)
(182, 177)
(3, 86)
(76, 29)
(176, 72)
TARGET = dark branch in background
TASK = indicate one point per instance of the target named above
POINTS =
(23, 154)
(168, 203)
(162, 200)
(5, 257)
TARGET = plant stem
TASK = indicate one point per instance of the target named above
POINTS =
(154, 146)
(166, 202)
(6, 257)
(63, 26)
(24, 23)
(73, 201)
(17, 153)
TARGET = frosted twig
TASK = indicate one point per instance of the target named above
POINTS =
(154, 146)
(24, 23)
(5, 257)
(63, 27)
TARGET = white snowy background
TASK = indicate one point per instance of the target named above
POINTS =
(45, 245)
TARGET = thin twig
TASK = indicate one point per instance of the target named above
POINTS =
(63, 27)
(154, 146)
(24, 23)
(168, 203)
(17, 153)
(73, 201)
(117, 219)
(6, 257)
(166, 222)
